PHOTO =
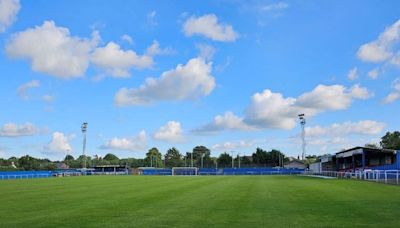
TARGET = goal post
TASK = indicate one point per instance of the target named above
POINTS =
(187, 171)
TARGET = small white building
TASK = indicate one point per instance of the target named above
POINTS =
(295, 163)
(315, 167)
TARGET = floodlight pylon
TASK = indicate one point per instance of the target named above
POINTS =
(303, 134)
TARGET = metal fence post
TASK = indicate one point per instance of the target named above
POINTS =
(385, 176)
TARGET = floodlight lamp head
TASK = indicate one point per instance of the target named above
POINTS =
(84, 127)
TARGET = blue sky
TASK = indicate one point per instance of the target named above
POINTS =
(230, 75)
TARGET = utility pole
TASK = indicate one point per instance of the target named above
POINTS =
(233, 164)
(239, 160)
(185, 160)
(84, 130)
(303, 134)
(191, 159)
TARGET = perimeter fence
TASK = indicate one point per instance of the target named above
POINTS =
(381, 176)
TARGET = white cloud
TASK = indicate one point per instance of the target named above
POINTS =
(23, 89)
(185, 82)
(8, 13)
(14, 130)
(359, 92)
(353, 74)
(208, 26)
(136, 143)
(127, 38)
(374, 73)
(273, 110)
(232, 145)
(118, 62)
(334, 97)
(155, 49)
(228, 121)
(274, 6)
(364, 127)
(171, 132)
(59, 144)
(383, 48)
(206, 51)
(395, 94)
(52, 50)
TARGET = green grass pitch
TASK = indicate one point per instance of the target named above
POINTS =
(197, 201)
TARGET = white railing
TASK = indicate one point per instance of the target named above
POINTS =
(382, 176)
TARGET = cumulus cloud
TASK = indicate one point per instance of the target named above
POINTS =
(135, 143)
(185, 82)
(334, 97)
(117, 62)
(59, 144)
(364, 127)
(171, 132)
(232, 145)
(23, 89)
(209, 27)
(8, 13)
(395, 94)
(353, 74)
(52, 50)
(15, 130)
(228, 121)
(272, 110)
(359, 92)
(374, 73)
(383, 48)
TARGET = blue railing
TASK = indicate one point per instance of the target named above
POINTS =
(261, 171)
(223, 171)
(25, 174)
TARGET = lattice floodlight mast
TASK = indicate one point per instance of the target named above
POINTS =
(303, 134)
(84, 129)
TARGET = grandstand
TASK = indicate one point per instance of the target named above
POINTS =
(359, 159)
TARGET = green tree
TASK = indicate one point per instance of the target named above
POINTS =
(224, 160)
(372, 145)
(260, 157)
(246, 161)
(153, 158)
(275, 158)
(200, 151)
(391, 140)
(111, 157)
(173, 158)
(69, 158)
(28, 163)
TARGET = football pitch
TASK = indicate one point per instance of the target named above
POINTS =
(197, 201)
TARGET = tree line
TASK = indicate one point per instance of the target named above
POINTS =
(200, 156)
